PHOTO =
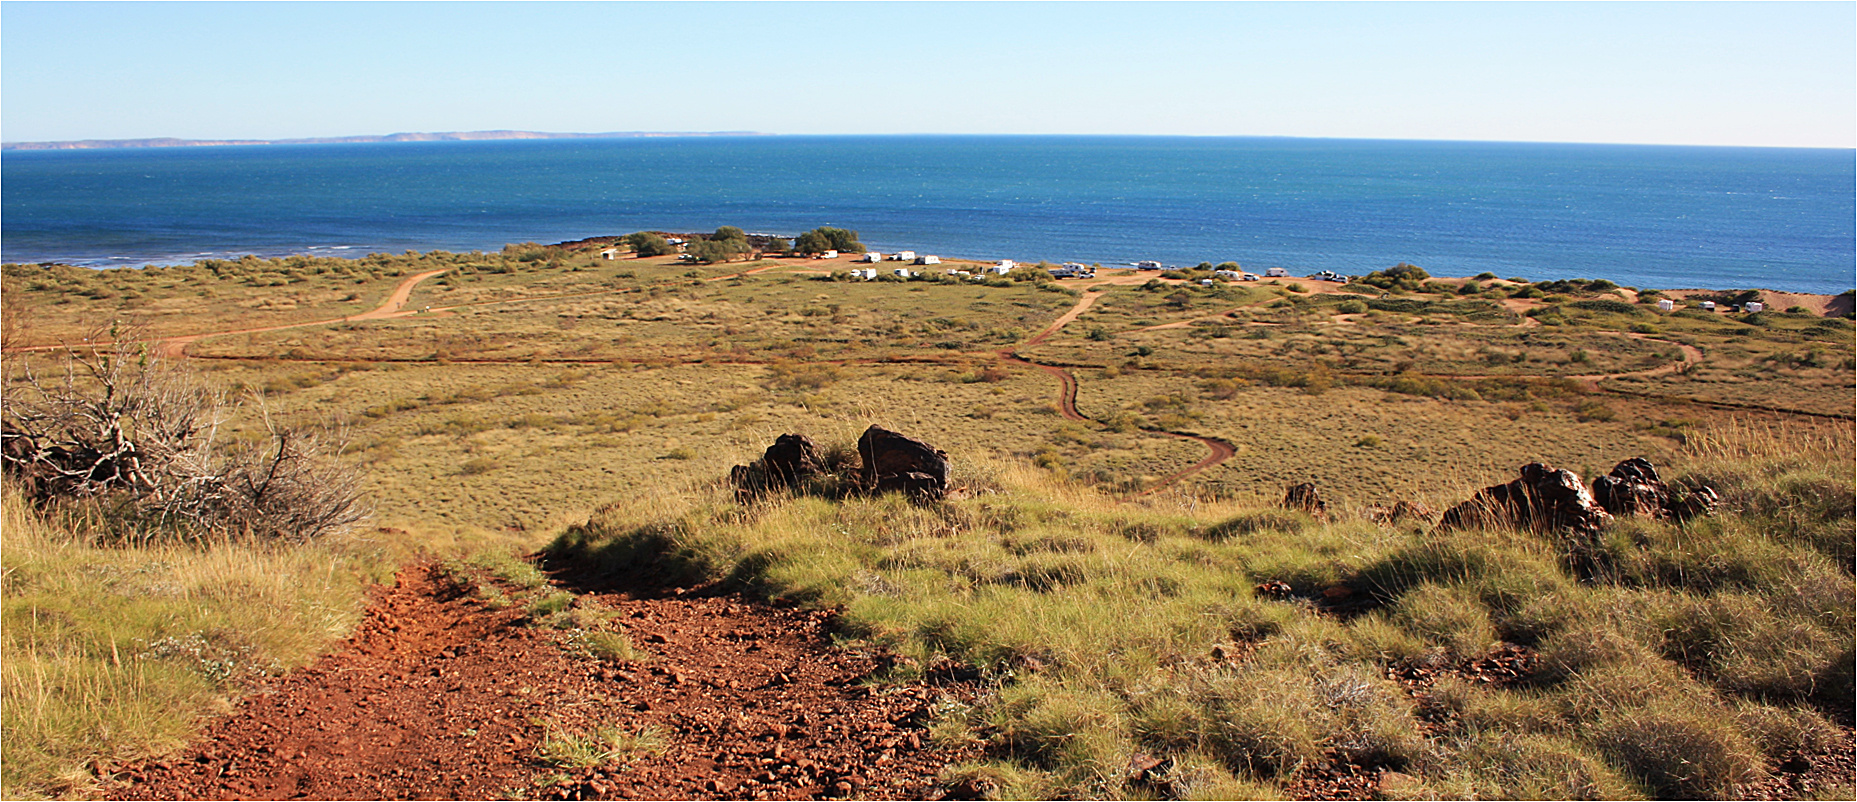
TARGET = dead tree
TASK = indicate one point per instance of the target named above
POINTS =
(122, 424)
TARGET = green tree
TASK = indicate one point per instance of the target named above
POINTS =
(710, 251)
(812, 242)
(646, 243)
(826, 238)
(1401, 277)
(729, 233)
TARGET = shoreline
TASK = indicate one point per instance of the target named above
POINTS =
(1823, 304)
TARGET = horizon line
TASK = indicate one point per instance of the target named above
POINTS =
(513, 134)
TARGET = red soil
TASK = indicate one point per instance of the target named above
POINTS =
(440, 695)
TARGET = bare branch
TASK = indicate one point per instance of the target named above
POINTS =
(126, 423)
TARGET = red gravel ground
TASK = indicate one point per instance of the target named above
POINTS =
(441, 695)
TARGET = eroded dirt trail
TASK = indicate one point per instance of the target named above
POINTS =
(441, 694)
(177, 346)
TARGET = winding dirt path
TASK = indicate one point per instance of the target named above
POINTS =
(177, 346)
(1218, 451)
(392, 307)
(1067, 384)
(1088, 300)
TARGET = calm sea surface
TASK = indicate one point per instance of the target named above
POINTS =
(1638, 215)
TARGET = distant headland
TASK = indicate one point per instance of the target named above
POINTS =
(446, 136)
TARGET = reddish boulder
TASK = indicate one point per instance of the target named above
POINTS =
(1305, 498)
(789, 461)
(1633, 488)
(1695, 503)
(1543, 499)
(893, 462)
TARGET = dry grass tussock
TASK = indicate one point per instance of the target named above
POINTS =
(1691, 662)
(115, 653)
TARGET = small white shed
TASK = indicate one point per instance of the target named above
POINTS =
(1666, 305)
(610, 254)
(904, 256)
(1754, 306)
(1707, 306)
(928, 260)
(1004, 266)
(827, 255)
(871, 256)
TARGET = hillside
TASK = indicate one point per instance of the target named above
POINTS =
(1112, 602)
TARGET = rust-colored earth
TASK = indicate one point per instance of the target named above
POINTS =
(441, 695)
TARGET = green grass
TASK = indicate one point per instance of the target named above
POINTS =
(113, 653)
(1116, 629)
(601, 746)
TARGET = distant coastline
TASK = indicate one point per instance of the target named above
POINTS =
(444, 136)
(1718, 218)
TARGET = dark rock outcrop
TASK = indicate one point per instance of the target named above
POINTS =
(1633, 488)
(787, 463)
(1695, 503)
(893, 462)
(1543, 499)
(791, 459)
(890, 462)
(1305, 498)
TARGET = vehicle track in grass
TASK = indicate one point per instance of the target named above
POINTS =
(177, 346)
(1218, 450)
(392, 307)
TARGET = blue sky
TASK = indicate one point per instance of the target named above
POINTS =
(1762, 74)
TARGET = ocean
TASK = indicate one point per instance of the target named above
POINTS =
(1648, 216)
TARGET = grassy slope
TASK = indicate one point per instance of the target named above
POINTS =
(1689, 661)
(1106, 613)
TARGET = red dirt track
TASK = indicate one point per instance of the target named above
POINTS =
(440, 695)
